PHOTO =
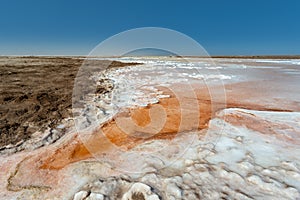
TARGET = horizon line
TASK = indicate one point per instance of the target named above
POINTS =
(191, 56)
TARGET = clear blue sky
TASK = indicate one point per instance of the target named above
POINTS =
(222, 27)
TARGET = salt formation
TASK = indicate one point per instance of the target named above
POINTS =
(247, 149)
(243, 164)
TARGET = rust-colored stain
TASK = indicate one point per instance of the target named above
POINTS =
(261, 125)
(187, 108)
(141, 117)
(175, 114)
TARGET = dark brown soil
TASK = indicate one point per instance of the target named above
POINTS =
(36, 93)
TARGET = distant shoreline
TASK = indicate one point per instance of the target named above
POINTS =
(213, 56)
(262, 57)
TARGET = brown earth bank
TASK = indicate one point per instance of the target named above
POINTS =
(36, 93)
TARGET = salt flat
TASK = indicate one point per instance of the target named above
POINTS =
(171, 128)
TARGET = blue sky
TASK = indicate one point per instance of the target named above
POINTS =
(61, 27)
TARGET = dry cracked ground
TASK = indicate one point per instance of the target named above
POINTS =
(149, 128)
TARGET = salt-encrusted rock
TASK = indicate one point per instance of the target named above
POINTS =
(173, 192)
(107, 188)
(187, 179)
(140, 191)
(151, 179)
(190, 195)
(95, 196)
(81, 195)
